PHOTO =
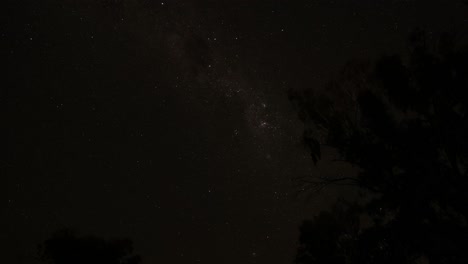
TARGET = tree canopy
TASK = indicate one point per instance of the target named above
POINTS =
(403, 122)
(64, 247)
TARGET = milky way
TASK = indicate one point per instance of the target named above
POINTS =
(169, 122)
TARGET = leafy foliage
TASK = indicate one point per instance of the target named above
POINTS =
(65, 248)
(404, 124)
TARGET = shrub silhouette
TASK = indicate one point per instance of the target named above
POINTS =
(64, 247)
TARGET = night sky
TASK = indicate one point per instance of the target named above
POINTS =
(169, 123)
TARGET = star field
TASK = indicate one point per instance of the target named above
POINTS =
(169, 122)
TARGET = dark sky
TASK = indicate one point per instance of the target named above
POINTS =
(168, 122)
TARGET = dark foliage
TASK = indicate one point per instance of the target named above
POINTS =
(66, 248)
(404, 124)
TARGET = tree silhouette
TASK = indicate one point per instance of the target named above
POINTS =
(403, 123)
(64, 247)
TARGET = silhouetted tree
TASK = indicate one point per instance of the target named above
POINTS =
(403, 123)
(326, 238)
(66, 248)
